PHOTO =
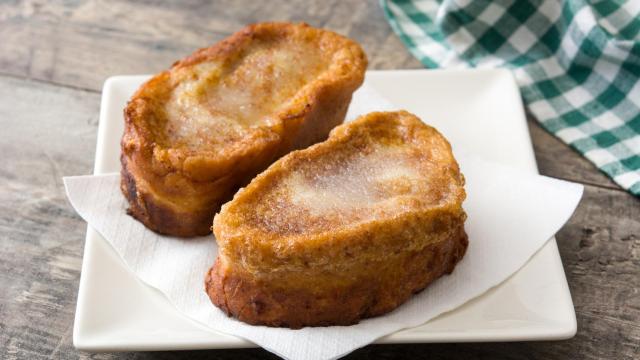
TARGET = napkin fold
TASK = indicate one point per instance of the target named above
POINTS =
(511, 215)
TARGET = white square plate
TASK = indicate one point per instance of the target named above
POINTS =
(479, 110)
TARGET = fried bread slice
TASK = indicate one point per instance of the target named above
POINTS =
(343, 230)
(198, 131)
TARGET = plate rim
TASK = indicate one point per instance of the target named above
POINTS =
(83, 342)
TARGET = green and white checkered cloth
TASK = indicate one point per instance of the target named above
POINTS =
(577, 64)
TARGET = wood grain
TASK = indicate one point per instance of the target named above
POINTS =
(47, 132)
(82, 43)
(55, 56)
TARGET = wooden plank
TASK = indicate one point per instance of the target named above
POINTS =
(79, 44)
(49, 132)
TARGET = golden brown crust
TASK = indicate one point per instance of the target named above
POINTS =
(389, 283)
(342, 230)
(176, 182)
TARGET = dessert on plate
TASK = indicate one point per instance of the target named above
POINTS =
(346, 229)
(197, 132)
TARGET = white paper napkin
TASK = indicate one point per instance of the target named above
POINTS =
(511, 214)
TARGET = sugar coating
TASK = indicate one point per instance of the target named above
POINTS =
(219, 105)
(357, 184)
(336, 190)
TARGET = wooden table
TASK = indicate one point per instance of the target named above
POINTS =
(54, 58)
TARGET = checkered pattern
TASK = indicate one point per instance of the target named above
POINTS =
(577, 64)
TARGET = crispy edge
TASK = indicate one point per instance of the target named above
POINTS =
(159, 217)
(265, 303)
